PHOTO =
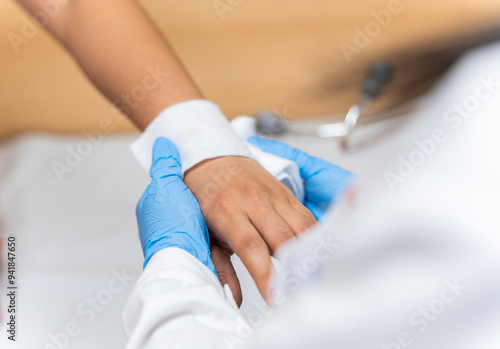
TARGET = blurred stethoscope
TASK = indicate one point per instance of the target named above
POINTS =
(379, 75)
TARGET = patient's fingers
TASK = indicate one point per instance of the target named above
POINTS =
(221, 257)
(297, 216)
(247, 243)
(271, 226)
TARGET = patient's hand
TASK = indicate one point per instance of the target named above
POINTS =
(249, 212)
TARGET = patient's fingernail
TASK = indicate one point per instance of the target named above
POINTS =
(270, 299)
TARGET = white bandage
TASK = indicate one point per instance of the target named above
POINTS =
(198, 129)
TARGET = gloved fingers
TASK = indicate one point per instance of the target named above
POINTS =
(303, 160)
(168, 214)
(221, 258)
(166, 159)
(247, 243)
(328, 185)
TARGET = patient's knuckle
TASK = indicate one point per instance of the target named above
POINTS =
(308, 216)
(306, 224)
(222, 204)
(252, 244)
(251, 191)
(296, 204)
(282, 236)
(224, 275)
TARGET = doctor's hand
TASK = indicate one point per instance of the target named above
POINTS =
(324, 182)
(168, 215)
(248, 212)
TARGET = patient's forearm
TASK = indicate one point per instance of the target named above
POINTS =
(119, 49)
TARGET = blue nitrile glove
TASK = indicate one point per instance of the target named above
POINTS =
(168, 214)
(324, 182)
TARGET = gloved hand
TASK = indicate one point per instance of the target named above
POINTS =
(168, 215)
(324, 182)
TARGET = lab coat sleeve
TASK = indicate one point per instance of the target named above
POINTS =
(179, 303)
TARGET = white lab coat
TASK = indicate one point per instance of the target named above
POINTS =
(179, 303)
(411, 257)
